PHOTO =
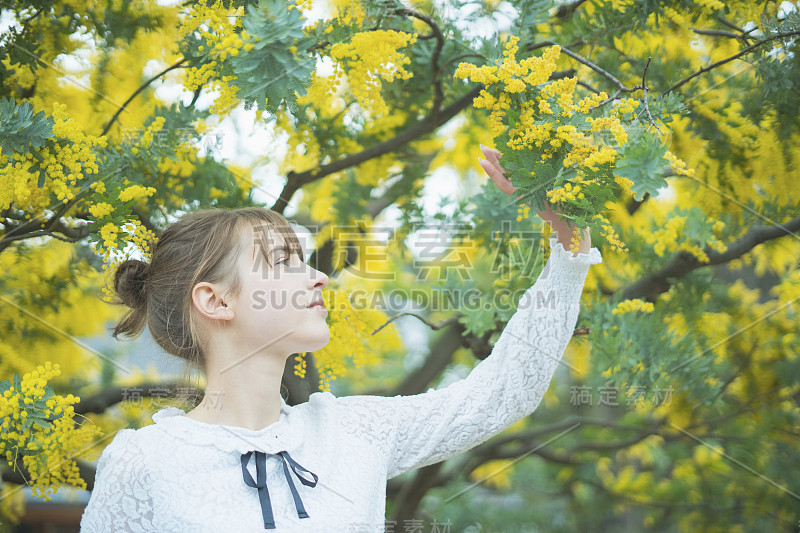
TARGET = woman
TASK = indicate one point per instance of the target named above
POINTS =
(229, 292)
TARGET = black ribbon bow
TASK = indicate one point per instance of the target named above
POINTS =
(261, 483)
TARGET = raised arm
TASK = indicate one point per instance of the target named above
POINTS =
(121, 500)
(418, 430)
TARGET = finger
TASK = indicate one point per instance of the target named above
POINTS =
(494, 156)
(503, 183)
(491, 155)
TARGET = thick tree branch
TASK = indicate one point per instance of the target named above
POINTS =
(37, 227)
(111, 396)
(296, 180)
(746, 34)
(407, 500)
(440, 355)
(651, 285)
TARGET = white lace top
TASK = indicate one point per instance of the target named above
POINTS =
(327, 460)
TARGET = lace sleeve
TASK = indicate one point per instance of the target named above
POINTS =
(423, 429)
(120, 500)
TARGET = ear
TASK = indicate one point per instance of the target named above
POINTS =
(206, 299)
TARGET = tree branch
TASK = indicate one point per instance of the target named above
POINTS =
(436, 32)
(296, 180)
(566, 10)
(580, 59)
(113, 395)
(731, 58)
(644, 97)
(719, 33)
(20, 475)
(37, 227)
(651, 285)
(141, 88)
(440, 325)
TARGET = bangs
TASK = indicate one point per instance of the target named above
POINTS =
(273, 233)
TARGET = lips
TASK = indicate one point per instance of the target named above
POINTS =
(319, 302)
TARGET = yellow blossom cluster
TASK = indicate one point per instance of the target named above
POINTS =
(175, 168)
(232, 43)
(101, 209)
(351, 333)
(675, 16)
(611, 235)
(528, 133)
(515, 77)
(373, 56)
(524, 212)
(142, 238)
(222, 36)
(495, 473)
(538, 125)
(611, 124)
(301, 365)
(625, 105)
(18, 75)
(227, 98)
(635, 304)
(677, 165)
(321, 94)
(591, 101)
(304, 151)
(212, 22)
(348, 12)
(553, 125)
(198, 76)
(64, 160)
(49, 441)
(149, 132)
(668, 238)
(710, 6)
(584, 153)
(565, 192)
(134, 192)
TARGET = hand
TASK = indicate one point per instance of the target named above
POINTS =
(492, 167)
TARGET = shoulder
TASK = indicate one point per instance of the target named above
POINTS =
(131, 446)
(355, 413)
(326, 402)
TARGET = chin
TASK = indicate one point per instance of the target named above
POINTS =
(323, 342)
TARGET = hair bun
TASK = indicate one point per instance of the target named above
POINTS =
(130, 282)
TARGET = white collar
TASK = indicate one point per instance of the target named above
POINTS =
(285, 434)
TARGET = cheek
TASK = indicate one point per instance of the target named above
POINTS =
(279, 301)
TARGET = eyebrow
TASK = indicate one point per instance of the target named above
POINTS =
(279, 249)
(273, 252)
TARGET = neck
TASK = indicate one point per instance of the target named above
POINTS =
(242, 392)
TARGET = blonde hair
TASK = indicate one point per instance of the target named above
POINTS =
(204, 245)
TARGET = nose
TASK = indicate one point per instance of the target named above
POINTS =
(318, 279)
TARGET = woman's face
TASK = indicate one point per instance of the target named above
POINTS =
(272, 313)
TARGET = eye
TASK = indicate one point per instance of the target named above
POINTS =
(282, 259)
